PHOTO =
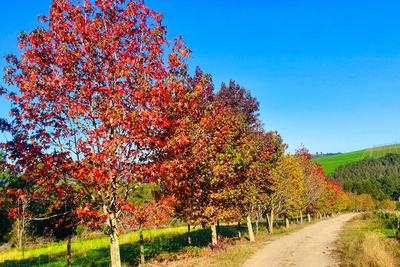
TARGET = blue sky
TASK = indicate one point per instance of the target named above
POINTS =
(325, 72)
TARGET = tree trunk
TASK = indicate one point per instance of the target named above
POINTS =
(287, 222)
(250, 229)
(114, 246)
(309, 217)
(271, 222)
(19, 233)
(189, 239)
(69, 251)
(239, 232)
(268, 222)
(257, 224)
(141, 247)
(214, 234)
(218, 230)
(22, 231)
(301, 217)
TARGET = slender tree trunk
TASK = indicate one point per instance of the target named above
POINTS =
(114, 246)
(257, 224)
(239, 232)
(189, 239)
(214, 234)
(19, 233)
(301, 217)
(309, 217)
(287, 222)
(22, 232)
(250, 229)
(271, 222)
(218, 235)
(141, 247)
(69, 251)
(268, 222)
(23, 248)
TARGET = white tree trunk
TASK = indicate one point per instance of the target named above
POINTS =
(114, 239)
(271, 222)
(250, 229)
(214, 234)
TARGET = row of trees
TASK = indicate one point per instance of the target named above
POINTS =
(301, 185)
(102, 108)
(365, 202)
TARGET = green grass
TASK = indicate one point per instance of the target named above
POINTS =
(367, 241)
(331, 163)
(159, 243)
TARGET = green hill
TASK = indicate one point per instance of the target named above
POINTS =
(331, 163)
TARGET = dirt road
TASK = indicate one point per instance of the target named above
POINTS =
(310, 246)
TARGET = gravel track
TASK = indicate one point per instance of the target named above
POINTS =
(308, 247)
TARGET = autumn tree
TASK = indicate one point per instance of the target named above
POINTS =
(240, 99)
(386, 205)
(212, 154)
(314, 180)
(257, 181)
(365, 202)
(334, 199)
(288, 192)
(263, 152)
(93, 110)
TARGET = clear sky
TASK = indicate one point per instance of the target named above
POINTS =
(327, 73)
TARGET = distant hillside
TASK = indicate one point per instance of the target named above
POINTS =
(322, 155)
(379, 177)
(331, 163)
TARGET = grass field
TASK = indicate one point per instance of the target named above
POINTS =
(331, 163)
(95, 252)
(159, 244)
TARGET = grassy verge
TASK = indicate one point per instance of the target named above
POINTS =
(368, 241)
(167, 246)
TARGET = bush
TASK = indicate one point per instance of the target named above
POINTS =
(222, 244)
(386, 204)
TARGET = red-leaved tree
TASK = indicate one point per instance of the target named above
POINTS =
(94, 109)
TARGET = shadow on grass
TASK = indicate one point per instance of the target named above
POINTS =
(155, 247)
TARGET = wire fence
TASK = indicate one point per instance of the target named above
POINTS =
(388, 144)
